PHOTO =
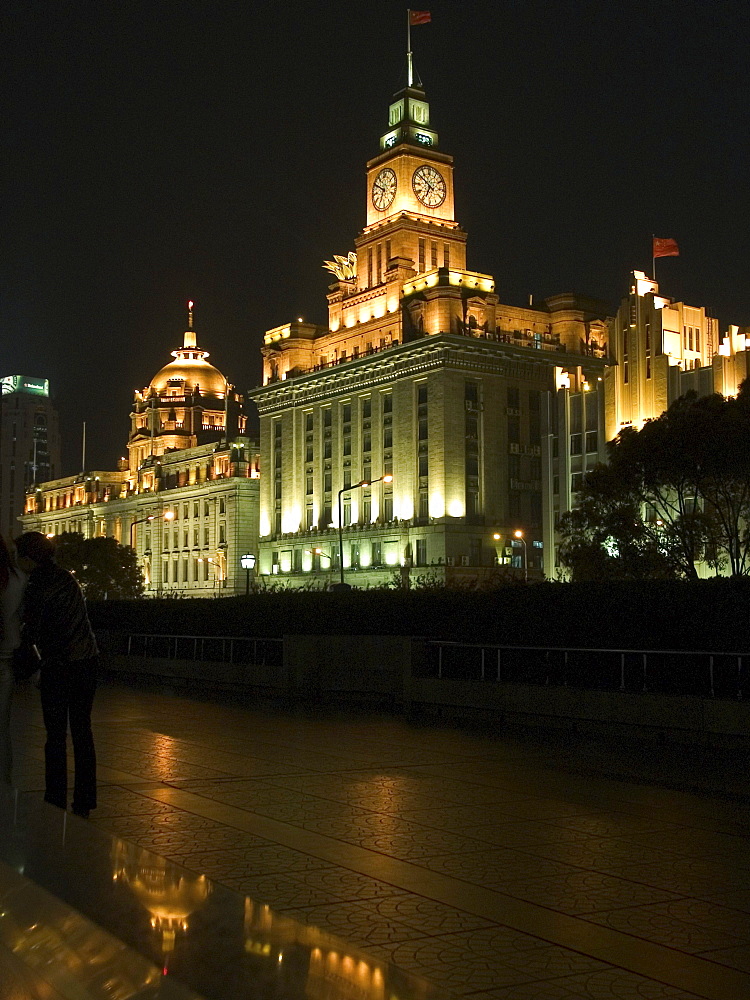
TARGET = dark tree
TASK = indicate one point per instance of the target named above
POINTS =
(103, 567)
(674, 494)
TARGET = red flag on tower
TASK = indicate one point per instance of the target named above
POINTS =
(419, 17)
(665, 248)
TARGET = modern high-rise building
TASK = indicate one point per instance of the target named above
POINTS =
(29, 444)
(422, 375)
(185, 498)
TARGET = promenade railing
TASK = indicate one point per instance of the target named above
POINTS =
(701, 673)
(197, 648)
(666, 671)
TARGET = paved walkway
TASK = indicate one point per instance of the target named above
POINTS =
(492, 867)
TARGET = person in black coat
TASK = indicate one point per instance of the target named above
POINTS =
(55, 619)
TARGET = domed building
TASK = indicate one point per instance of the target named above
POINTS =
(187, 403)
(186, 498)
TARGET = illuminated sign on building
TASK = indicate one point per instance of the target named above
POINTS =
(24, 383)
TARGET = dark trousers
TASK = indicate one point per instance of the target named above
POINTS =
(67, 689)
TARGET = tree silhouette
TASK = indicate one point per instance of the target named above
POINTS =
(673, 495)
(103, 567)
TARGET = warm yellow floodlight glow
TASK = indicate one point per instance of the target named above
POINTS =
(168, 515)
(518, 533)
(404, 508)
(497, 537)
(291, 520)
(388, 478)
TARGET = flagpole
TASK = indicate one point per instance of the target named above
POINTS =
(409, 73)
(653, 257)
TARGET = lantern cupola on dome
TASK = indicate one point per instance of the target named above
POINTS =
(187, 403)
(189, 370)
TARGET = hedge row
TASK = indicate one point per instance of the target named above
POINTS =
(702, 615)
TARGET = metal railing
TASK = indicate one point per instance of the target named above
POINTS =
(197, 648)
(682, 672)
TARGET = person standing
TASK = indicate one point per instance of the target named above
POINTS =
(11, 593)
(55, 619)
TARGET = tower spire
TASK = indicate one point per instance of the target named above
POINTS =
(409, 66)
(413, 17)
(189, 340)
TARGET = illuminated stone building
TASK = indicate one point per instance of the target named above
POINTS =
(423, 374)
(659, 350)
(29, 444)
(186, 497)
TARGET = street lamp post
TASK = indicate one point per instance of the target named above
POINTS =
(519, 535)
(316, 553)
(342, 585)
(168, 515)
(142, 520)
(247, 562)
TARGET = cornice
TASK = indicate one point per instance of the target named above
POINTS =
(443, 350)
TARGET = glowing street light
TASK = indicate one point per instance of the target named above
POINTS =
(519, 535)
(167, 516)
(319, 552)
(388, 478)
(247, 562)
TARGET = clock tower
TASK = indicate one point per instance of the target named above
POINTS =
(410, 207)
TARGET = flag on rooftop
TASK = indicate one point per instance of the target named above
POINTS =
(419, 17)
(665, 247)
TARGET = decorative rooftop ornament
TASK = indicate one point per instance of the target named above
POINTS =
(344, 268)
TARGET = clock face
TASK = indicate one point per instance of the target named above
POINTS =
(429, 186)
(384, 189)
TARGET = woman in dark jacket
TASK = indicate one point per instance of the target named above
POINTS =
(11, 592)
(55, 619)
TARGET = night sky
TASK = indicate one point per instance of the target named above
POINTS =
(155, 152)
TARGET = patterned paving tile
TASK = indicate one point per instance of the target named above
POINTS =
(495, 869)
(607, 984)
(345, 884)
(707, 844)
(429, 915)
(619, 825)
(586, 892)
(459, 819)
(540, 821)
(604, 855)
(360, 924)
(686, 924)
(281, 892)
(689, 876)
(736, 958)
(422, 844)
(177, 843)
(121, 802)
(547, 832)
(309, 809)
(487, 959)
(242, 791)
(735, 900)
(260, 861)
